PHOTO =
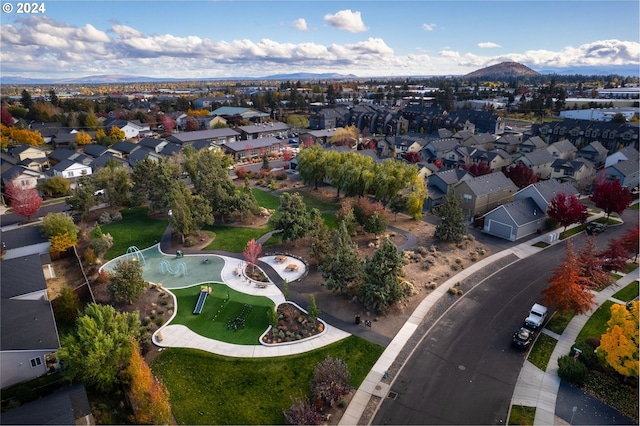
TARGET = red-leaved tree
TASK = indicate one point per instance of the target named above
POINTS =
(629, 241)
(567, 210)
(287, 155)
(252, 252)
(168, 123)
(614, 257)
(611, 196)
(591, 266)
(521, 175)
(478, 169)
(413, 156)
(5, 117)
(191, 124)
(24, 202)
(568, 291)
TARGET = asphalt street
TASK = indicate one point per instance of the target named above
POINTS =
(464, 371)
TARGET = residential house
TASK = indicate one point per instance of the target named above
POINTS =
(527, 213)
(624, 171)
(563, 149)
(321, 137)
(23, 241)
(594, 152)
(437, 149)
(105, 159)
(484, 141)
(243, 112)
(496, 159)
(29, 338)
(204, 122)
(216, 137)
(153, 143)
(131, 128)
(580, 132)
(94, 150)
(329, 118)
(46, 130)
(171, 148)
(124, 148)
(248, 150)
(210, 102)
(400, 145)
(27, 178)
(264, 130)
(532, 144)
(440, 183)
(484, 193)
(140, 154)
(62, 154)
(538, 161)
(626, 153)
(508, 143)
(458, 157)
(580, 173)
(24, 152)
(65, 406)
(69, 169)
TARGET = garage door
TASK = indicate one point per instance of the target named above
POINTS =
(499, 229)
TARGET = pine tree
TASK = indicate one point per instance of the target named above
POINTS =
(452, 227)
(342, 271)
(380, 287)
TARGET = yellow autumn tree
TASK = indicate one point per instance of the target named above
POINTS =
(83, 138)
(23, 136)
(199, 112)
(117, 134)
(415, 200)
(61, 242)
(4, 136)
(148, 396)
(619, 345)
(346, 136)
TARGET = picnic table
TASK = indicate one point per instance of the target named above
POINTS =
(281, 258)
(291, 267)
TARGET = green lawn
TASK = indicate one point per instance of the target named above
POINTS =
(266, 199)
(234, 238)
(628, 293)
(558, 322)
(521, 415)
(596, 325)
(212, 322)
(313, 201)
(542, 350)
(635, 206)
(206, 388)
(135, 229)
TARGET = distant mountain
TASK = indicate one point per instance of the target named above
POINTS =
(114, 79)
(307, 76)
(503, 70)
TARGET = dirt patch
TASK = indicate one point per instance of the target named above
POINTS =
(67, 274)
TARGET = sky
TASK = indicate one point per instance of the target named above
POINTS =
(220, 39)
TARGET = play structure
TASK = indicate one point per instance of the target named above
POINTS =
(202, 297)
(134, 254)
(165, 266)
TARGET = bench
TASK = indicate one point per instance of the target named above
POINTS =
(291, 267)
(281, 259)
(262, 285)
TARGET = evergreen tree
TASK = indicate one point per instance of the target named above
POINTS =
(452, 226)
(294, 219)
(343, 269)
(127, 283)
(83, 196)
(380, 287)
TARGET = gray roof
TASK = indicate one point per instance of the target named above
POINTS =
(451, 176)
(508, 140)
(563, 146)
(19, 170)
(62, 407)
(22, 275)
(490, 183)
(536, 141)
(626, 168)
(539, 157)
(265, 127)
(251, 143)
(151, 142)
(104, 158)
(441, 145)
(124, 147)
(22, 237)
(597, 147)
(94, 150)
(549, 188)
(631, 153)
(187, 137)
(523, 211)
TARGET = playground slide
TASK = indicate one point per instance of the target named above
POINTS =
(200, 302)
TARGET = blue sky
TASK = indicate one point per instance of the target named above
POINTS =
(193, 39)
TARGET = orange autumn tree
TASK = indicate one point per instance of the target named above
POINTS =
(619, 345)
(148, 396)
(569, 288)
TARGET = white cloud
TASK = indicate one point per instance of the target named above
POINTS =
(488, 45)
(41, 47)
(428, 27)
(300, 24)
(346, 20)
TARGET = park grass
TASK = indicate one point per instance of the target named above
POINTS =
(542, 350)
(522, 415)
(314, 201)
(596, 325)
(635, 206)
(628, 293)
(558, 322)
(205, 388)
(266, 199)
(135, 229)
(630, 267)
(234, 238)
(217, 307)
(330, 220)
(541, 244)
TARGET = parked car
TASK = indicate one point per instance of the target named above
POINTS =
(523, 338)
(536, 317)
(594, 228)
